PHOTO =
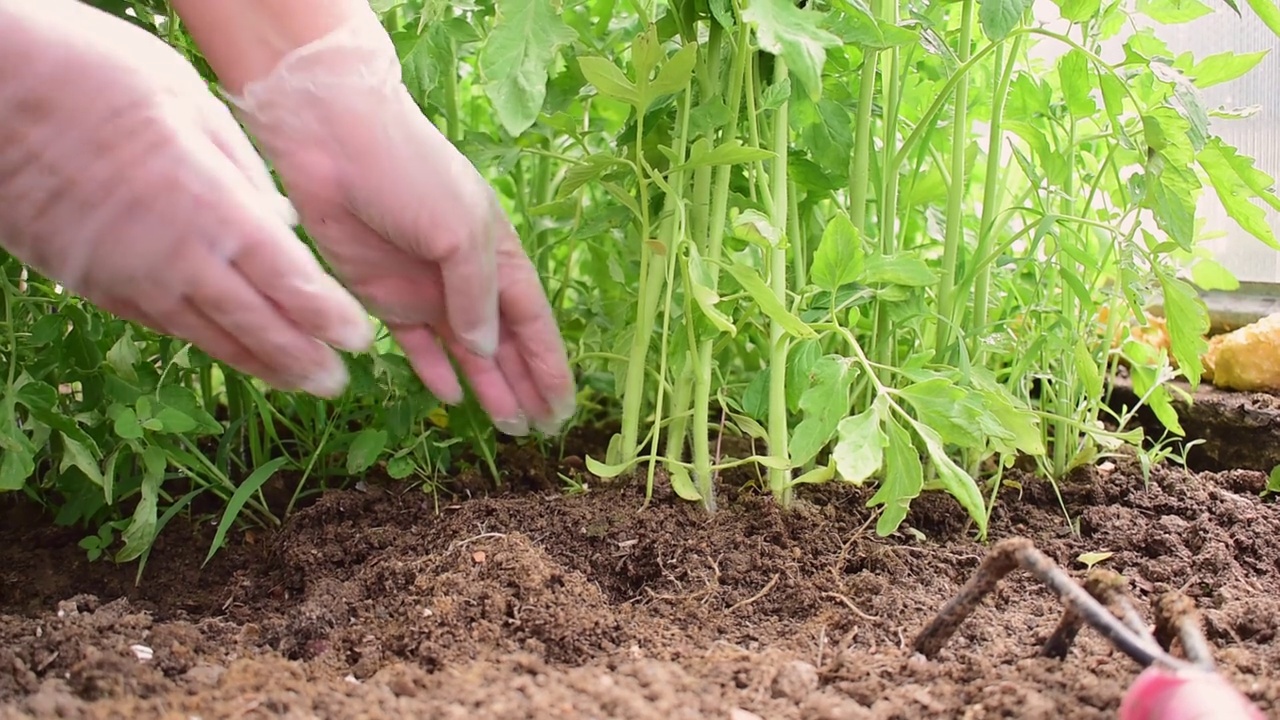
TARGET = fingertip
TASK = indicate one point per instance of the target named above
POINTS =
(517, 426)
(330, 382)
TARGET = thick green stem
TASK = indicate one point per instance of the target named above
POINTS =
(884, 342)
(990, 200)
(701, 429)
(779, 477)
(650, 285)
(796, 238)
(859, 181)
(671, 243)
(955, 198)
(1064, 385)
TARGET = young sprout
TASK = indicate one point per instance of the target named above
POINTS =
(1168, 689)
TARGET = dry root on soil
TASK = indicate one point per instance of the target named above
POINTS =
(1103, 604)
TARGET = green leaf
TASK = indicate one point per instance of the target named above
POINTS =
(898, 270)
(675, 74)
(1187, 322)
(769, 303)
(1087, 369)
(732, 152)
(700, 286)
(775, 95)
(1018, 428)
(1210, 274)
(47, 329)
(1073, 73)
(958, 483)
(17, 462)
(142, 528)
(859, 26)
(826, 131)
(1000, 17)
(942, 405)
(1268, 12)
(682, 484)
(400, 467)
(859, 450)
(250, 486)
(78, 456)
(365, 449)
(839, 258)
(753, 226)
(124, 355)
(516, 58)
(1173, 12)
(609, 80)
(1227, 173)
(646, 52)
(786, 30)
(722, 11)
(1143, 363)
(1078, 11)
(1224, 67)
(1188, 97)
(1171, 185)
(755, 398)
(903, 479)
(801, 361)
(125, 423)
(179, 406)
(824, 404)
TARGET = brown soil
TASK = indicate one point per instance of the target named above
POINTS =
(376, 603)
(1237, 430)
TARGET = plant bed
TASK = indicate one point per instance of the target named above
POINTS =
(528, 603)
(1235, 429)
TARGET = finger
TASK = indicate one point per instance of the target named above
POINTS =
(227, 136)
(265, 250)
(283, 269)
(228, 299)
(187, 322)
(429, 361)
(516, 371)
(491, 388)
(471, 290)
(526, 311)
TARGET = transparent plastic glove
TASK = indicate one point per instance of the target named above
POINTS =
(1160, 694)
(124, 178)
(410, 226)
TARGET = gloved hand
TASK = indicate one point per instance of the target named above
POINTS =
(125, 179)
(1160, 694)
(409, 225)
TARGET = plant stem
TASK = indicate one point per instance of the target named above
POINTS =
(955, 197)
(884, 343)
(859, 181)
(649, 284)
(779, 478)
(991, 195)
(702, 472)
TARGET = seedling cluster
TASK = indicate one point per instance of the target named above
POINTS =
(884, 243)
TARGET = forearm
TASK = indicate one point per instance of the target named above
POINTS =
(244, 39)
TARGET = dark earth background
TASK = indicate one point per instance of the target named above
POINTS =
(388, 602)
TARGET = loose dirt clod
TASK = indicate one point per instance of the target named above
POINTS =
(375, 605)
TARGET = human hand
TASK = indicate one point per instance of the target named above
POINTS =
(125, 179)
(1160, 694)
(410, 226)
